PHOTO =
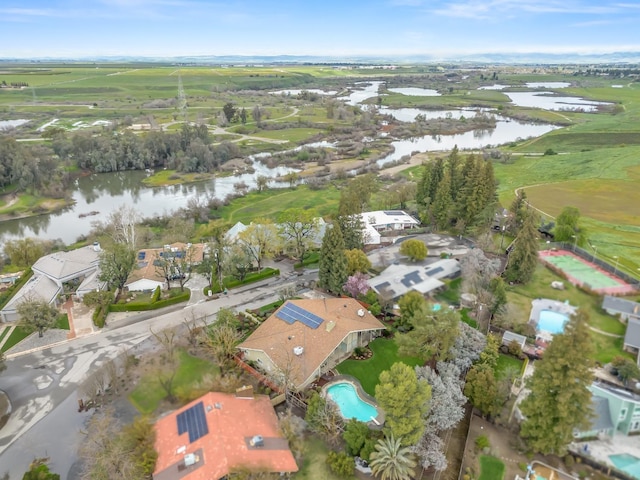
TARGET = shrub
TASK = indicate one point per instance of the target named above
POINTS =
(100, 315)
(341, 464)
(482, 442)
(569, 461)
(359, 351)
(141, 307)
(156, 295)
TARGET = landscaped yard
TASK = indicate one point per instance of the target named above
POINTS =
(18, 334)
(491, 468)
(385, 354)
(506, 363)
(607, 347)
(314, 463)
(146, 397)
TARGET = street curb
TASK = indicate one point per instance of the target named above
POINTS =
(50, 345)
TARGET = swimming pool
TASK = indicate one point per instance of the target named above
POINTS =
(552, 322)
(436, 307)
(627, 463)
(349, 402)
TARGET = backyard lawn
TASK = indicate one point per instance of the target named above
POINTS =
(148, 394)
(491, 468)
(314, 463)
(507, 362)
(385, 354)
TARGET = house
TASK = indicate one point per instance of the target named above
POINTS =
(37, 287)
(147, 275)
(631, 341)
(396, 280)
(622, 408)
(304, 339)
(626, 309)
(50, 274)
(220, 433)
(374, 223)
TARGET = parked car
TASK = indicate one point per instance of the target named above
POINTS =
(362, 466)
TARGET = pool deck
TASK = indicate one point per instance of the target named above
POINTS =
(603, 448)
(375, 423)
(540, 304)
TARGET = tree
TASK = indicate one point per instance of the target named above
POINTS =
(322, 417)
(405, 400)
(413, 307)
(482, 389)
(357, 261)
(262, 240)
(352, 231)
(432, 336)
(559, 400)
(355, 435)
(356, 197)
(341, 464)
(499, 293)
(357, 285)
(229, 111)
(222, 339)
(299, 228)
(523, 259)
(626, 368)
(121, 226)
(333, 261)
(243, 116)
(567, 225)
(116, 263)
(176, 263)
(519, 209)
(262, 182)
(24, 252)
(214, 261)
(392, 460)
(37, 315)
(414, 249)
(38, 470)
(291, 178)
(256, 113)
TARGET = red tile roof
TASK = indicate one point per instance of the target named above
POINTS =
(232, 422)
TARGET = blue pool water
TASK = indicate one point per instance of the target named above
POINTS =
(627, 463)
(552, 322)
(436, 307)
(350, 403)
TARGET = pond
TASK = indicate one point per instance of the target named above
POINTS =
(548, 84)
(6, 124)
(410, 114)
(415, 92)
(295, 92)
(550, 101)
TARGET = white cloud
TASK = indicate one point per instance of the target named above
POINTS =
(485, 9)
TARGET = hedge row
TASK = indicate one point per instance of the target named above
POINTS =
(100, 315)
(251, 278)
(141, 307)
(10, 292)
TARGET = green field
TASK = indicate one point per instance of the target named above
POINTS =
(491, 468)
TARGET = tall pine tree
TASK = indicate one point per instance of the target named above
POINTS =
(559, 400)
(523, 259)
(333, 262)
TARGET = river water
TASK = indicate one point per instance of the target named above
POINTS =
(108, 191)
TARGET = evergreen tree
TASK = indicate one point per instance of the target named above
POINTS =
(405, 401)
(559, 400)
(523, 259)
(443, 204)
(433, 334)
(499, 295)
(482, 389)
(333, 261)
(351, 227)
(518, 210)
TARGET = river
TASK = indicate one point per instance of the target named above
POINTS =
(108, 191)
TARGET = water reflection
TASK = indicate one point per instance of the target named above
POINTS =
(415, 92)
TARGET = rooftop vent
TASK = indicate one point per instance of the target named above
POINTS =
(361, 312)
(330, 325)
(190, 459)
(218, 405)
(257, 441)
(298, 350)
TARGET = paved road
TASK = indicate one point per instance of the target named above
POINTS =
(43, 384)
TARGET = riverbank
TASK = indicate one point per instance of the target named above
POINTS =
(23, 205)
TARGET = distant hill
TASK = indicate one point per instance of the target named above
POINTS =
(487, 58)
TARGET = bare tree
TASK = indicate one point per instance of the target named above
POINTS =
(262, 239)
(222, 339)
(121, 225)
(167, 372)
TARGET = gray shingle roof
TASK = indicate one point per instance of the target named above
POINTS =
(509, 337)
(632, 335)
(61, 265)
(602, 418)
(621, 305)
(38, 287)
(396, 280)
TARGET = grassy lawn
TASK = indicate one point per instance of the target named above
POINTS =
(385, 354)
(5, 330)
(18, 334)
(506, 362)
(62, 322)
(171, 177)
(314, 463)
(491, 468)
(270, 203)
(146, 397)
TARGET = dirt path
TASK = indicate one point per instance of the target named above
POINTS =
(529, 203)
(606, 334)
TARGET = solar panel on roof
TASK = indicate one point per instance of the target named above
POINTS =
(434, 271)
(290, 313)
(193, 421)
(142, 255)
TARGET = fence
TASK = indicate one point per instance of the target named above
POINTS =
(606, 469)
(253, 372)
(591, 257)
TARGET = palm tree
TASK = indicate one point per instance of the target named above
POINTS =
(391, 460)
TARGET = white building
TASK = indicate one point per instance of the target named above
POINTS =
(374, 223)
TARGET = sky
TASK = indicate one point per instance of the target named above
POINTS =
(341, 28)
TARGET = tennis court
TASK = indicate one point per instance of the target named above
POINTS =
(582, 272)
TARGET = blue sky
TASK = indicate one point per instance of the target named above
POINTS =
(440, 28)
